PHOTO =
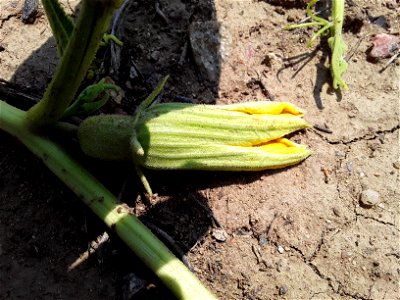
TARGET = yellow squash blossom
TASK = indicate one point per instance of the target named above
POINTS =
(237, 137)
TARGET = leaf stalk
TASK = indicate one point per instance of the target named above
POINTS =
(93, 21)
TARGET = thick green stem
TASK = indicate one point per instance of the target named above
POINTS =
(117, 216)
(337, 45)
(93, 21)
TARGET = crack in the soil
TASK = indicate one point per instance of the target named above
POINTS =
(316, 294)
(344, 199)
(314, 268)
(357, 296)
(308, 261)
(340, 291)
(318, 248)
(366, 137)
(8, 18)
(376, 220)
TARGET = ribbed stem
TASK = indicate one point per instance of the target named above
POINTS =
(93, 21)
(337, 45)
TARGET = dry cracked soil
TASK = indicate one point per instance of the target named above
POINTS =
(302, 232)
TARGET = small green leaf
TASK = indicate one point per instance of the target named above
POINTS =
(61, 24)
(88, 102)
(110, 37)
(150, 99)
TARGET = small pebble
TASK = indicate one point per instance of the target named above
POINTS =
(384, 46)
(131, 285)
(349, 166)
(280, 11)
(290, 19)
(396, 165)
(280, 249)
(369, 197)
(340, 154)
(210, 43)
(155, 55)
(133, 72)
(336, 212)
(220, 235)
(283, 290)
(29, 11)
(263, 240)
(347, 255)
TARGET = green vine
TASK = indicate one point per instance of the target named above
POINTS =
(335, 41)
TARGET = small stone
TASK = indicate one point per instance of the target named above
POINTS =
(336, 212)
(155, 55)
(283, 290)
(210, 43)
(380, 21)
(280, 11)
(262, 240)
(376, 264)
(133, 72)
(340, 154)
(280, 249)
(131, 285)
(29, 12)
(220, 235)
(349, 166)
(369, 197)
(384, 46)
(396, 165)
(290, 19)
(346, 255)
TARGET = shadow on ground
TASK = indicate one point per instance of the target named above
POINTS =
(44, 227)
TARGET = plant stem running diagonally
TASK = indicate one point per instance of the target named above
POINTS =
(335, 41)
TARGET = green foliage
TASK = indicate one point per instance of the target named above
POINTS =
(335, 41)
(77, 57)
(90, 99)
(61, 24)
